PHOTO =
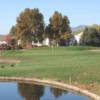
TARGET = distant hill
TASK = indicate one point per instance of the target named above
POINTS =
(80, 27)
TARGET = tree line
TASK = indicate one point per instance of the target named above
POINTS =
(91, 36)
(30, 26)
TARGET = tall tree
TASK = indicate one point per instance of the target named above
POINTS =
(13, 31)
(59, 27)
(65, 29)
(56, 22)
(30, 25)
(65, 25)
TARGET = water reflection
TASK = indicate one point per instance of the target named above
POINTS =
(37, 92)
(30, 91)
(25, 91)
(57, 92)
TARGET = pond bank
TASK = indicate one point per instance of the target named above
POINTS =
(53, 84)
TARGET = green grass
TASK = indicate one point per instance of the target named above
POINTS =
(58, 63)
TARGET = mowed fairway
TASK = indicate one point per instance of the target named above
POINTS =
(69, 64)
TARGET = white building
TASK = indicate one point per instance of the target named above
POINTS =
(78, 37)
(38, 44)
(19, 42)
(46, 42)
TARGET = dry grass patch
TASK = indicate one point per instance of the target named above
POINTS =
(9, 60)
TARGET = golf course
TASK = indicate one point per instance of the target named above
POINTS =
(79, 66)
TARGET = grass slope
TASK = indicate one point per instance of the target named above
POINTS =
(68, 64)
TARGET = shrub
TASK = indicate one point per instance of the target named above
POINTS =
(90, 37)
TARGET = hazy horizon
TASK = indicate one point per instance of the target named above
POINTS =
(79, 12)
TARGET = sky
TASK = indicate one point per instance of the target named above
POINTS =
(79, 12)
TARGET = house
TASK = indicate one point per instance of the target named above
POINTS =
(36, 44)
(78, 37)
(46, 42)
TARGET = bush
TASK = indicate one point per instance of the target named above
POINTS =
(90, 37)
(12, 65)
(2, 66)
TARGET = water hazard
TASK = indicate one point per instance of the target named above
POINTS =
(25, 91)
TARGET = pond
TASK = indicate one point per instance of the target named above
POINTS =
(26, 91)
